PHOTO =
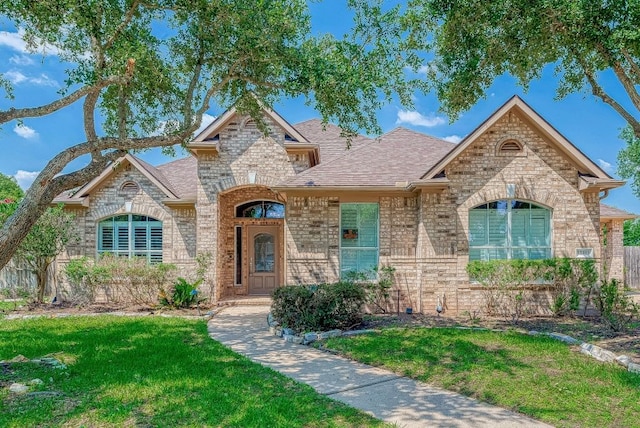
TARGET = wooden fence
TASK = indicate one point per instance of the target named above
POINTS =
(16, 279)
(632, 267)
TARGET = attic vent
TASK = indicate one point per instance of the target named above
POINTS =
(288, 137)
(584, 253)
(250, 124)
(510, 146)
(214, 138)
(130, 187)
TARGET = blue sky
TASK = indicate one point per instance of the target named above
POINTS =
(588, 123)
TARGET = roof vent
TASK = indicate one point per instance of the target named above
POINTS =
(584, 253)
(510, 146)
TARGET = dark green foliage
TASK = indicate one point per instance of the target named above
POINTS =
(616, 309)
(631, 232)
(183, 294)
(319, 307)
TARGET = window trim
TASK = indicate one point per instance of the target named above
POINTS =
(509, 247)
(151, 255)
(340, 247)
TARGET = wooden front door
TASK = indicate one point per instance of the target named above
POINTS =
(263, 259)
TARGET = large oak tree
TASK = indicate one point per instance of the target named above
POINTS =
(136, 64)
(475, 41)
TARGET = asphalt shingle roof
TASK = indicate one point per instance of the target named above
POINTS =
(397, 156)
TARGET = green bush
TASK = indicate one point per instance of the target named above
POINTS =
(508, 284)
(121, 280)
(183, 294)
(319, 307)
(617, 311)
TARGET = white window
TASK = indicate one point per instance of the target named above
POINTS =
(509, 229)
(131, 235)
(358, 237)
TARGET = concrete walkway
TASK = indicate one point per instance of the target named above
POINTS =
(381, 393)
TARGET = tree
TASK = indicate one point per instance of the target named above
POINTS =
(631, 232)
(475, 41)
(53, 231)
(9, 189)
(145, 72)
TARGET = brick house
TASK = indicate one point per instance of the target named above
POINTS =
(296, 206)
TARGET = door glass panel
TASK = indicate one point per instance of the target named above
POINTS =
(264, 252)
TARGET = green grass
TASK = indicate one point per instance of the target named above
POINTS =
(11, 306)
(537, 376)
(149, 371)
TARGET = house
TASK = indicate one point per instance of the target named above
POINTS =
(295, 206)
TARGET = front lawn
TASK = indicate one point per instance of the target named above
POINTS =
(149, 371)
(534, 375)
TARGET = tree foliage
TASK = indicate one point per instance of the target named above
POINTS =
(474, 42)
(9, 189)
(145, 72)
(631, 233)
(53, 231)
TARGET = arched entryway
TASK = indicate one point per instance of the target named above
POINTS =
(252, 242)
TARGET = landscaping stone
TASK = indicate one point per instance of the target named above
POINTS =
(18, 388)
(44, 394)
(19, 359)
(634, 368)
(564, 338)
(292, 338)
(327, 334)
(288, 331)
(533, 333)
(623, 360)
(310, 338)
(36, 382)
(53, 362)
(357, 332)
(598, 353)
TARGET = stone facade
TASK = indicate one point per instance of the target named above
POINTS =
(423, 232)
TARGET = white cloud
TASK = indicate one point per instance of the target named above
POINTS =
(21, 60)
(417, 119)
(25, 178)
(16, 42)
(604, 165)
(25, 132)
(455, 139)
(17, 77)
(44, 80)
(13, 40)
(206, 121)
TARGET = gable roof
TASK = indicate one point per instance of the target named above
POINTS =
(609, 213)
(219, 123)
(391, 161)
(593, 176)
(155, 176)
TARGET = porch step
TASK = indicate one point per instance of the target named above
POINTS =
(245, 301)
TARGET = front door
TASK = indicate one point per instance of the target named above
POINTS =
(264, 259)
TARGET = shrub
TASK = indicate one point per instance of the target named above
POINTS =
(617, 311)
(121, 280)
(377, 283)
(182, 294)
(319, 307)
(507, 284)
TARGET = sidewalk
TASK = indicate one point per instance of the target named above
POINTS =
(381, 393)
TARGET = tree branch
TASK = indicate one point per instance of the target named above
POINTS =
(13, 113)
(127, 19)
